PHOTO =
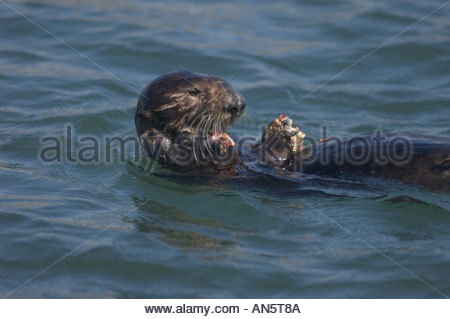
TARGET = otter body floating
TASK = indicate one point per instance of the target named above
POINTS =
(182, 120)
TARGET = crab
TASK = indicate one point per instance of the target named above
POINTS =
(287, 128)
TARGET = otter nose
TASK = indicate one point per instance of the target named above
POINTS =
(237, 104)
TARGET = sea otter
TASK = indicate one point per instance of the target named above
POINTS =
(182, 120)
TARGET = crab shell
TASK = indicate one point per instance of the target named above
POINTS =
(284, 123)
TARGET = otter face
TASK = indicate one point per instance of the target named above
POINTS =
(190, 102)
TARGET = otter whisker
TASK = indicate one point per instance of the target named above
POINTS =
(194, 150)
(200, 133)
(199, 118)
(214, 127)
(206, 140)
(195, 138)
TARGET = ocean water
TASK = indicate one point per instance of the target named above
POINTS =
(113, 230)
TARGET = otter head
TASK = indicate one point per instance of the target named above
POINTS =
(186, 102)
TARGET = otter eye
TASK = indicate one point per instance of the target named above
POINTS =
(194, 91)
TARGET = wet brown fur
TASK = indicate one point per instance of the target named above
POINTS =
(185, 104)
